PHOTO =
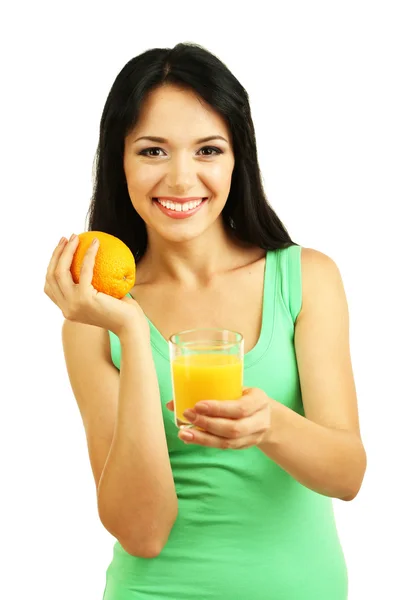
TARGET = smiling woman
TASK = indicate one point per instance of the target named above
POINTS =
(244, 510)
(182, 164)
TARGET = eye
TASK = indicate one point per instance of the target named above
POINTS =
(147, 150)
(212, 151)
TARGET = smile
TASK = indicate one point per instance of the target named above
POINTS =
(177, 210)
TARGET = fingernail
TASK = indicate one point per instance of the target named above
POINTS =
(94, 242)
(73, 236)
(185, 435)
(62, 241)
(189, 414)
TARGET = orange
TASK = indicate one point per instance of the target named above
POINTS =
(114, 270)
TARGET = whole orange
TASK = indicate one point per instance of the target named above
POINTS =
(114, 270)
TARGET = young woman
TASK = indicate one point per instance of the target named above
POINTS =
(243, 509)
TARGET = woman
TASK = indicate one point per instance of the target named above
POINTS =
(244, 508)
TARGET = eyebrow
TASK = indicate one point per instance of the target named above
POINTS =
(161, 140)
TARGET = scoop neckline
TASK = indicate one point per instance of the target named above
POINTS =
(160, 343)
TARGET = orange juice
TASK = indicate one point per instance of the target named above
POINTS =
(205, 377)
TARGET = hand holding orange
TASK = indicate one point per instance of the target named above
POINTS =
(92, 289)
(114, 269)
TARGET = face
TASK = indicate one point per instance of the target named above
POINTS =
(178, 184)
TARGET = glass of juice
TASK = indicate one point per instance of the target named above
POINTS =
(206, 364)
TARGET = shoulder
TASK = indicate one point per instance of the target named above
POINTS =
(313, 260)
(322, 346)
(321, 279)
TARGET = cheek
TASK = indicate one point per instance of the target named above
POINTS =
(141, 179)
(219, 177)
(220, 172)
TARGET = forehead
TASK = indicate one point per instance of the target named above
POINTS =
(176, 114)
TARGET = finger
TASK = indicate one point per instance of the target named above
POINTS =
(231, 428)
(55, 256)
(62, 272)
(202, 438)
(86, 274)
(230, 409)
(170, 405)
(51, 286)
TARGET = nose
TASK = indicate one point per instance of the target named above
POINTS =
(181, 176)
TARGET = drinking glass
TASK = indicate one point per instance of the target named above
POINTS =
(206, 364)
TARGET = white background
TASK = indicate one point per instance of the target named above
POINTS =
(323, 80)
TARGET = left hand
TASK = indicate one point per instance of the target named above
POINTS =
(234, 424)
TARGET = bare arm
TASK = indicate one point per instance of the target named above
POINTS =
(323, 451)
(128, 451)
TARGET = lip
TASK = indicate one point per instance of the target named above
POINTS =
(180, 200)
(173, 214)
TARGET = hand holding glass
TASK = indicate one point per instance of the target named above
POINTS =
(206, 364)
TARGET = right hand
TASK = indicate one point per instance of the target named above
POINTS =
(81, 302)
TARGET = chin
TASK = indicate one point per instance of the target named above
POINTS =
(185, 235)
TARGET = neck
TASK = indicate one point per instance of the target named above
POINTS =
(190, 263)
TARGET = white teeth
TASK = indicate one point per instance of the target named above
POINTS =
(178, 206)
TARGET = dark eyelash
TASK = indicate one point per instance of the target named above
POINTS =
(217, 150)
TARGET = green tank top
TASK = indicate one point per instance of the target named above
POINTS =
(246, 529)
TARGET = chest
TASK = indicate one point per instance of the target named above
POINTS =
(233, 301)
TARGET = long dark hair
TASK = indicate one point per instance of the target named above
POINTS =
(247, 213)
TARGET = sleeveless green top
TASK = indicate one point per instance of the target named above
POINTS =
(246, 529)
